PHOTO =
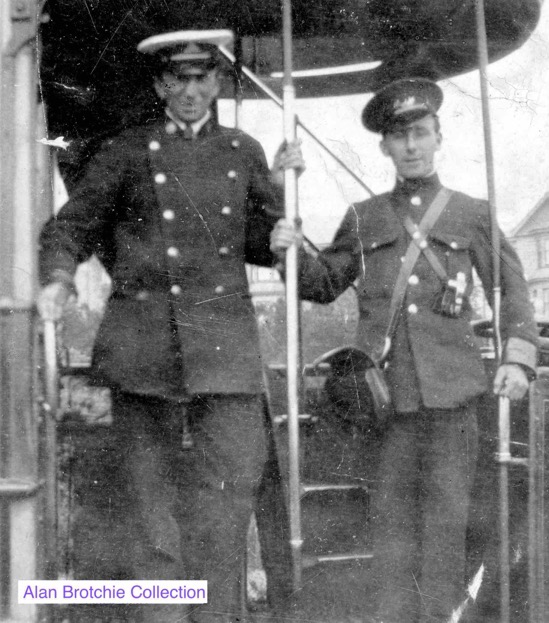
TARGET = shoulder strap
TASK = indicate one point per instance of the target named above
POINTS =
(419, 243)
(419, 238)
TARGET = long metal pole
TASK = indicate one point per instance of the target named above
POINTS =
(292, 309)
(20, 503)
(504, 454)
(539, 390)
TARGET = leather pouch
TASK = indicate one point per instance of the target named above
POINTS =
(356, 384)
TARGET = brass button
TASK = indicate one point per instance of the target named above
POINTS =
(415, 200)
(169, 215)
(173, 251)
(454, 244)
(416, 235)
(171, 128)
(412, 309)
(154, 145)
(219, 290)
(235, 144)
(224, 251)
(160, 178)
(423, 244)
(413, 280)
(231, 174)
(175, 290)
(226, 210)
(374, 245)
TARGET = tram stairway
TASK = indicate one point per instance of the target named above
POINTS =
(336, 460)
(337, 457)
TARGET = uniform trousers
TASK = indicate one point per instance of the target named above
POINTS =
(192, 506)
(420, 507)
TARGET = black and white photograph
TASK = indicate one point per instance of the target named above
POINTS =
(274, 303)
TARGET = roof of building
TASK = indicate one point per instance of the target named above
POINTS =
(535, 221)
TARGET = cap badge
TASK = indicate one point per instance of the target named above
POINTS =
(410, 103)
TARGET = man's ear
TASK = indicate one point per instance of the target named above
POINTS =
(439, 141)
(383, 147)
(159, 88)
(219, 81)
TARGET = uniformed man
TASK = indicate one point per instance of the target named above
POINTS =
(174, 209)
(435, 371)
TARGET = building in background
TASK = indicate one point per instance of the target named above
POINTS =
(531, 241)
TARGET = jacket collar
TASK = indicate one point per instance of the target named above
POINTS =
(196, 126)
(203, 127)
(417, 186)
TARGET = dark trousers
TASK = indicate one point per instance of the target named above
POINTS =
(192, 506)
(420, 507)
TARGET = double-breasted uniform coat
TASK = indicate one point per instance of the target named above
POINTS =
(435, 373)
(174, 222)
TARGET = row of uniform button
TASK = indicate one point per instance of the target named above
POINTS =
(413, 280)
(169, 215)
(173, 252)
(161, 178)
(175, 290)
(171, 128)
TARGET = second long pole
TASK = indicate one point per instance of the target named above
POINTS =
(293, 339)
(504, 424)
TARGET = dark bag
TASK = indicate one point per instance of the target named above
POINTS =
(356, 386)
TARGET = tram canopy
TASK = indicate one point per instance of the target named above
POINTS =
(92, 75)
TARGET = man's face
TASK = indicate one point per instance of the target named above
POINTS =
(412, 147)
(189, 93)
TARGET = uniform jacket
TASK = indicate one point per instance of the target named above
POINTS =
(435, 361)
(173, 222)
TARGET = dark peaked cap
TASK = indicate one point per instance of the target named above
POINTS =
(402, 101)
(197, 48)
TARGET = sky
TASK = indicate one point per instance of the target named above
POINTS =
(519, 121)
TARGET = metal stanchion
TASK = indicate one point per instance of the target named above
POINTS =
(293, 339)
(504, 455)
(539, 412)
(51, 366)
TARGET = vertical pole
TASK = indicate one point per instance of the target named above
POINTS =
(292, 307)
(504, 454)
(539, 412)
(19, 502)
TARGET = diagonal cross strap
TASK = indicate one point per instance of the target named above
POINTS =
(419, 238)
(418, 245)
